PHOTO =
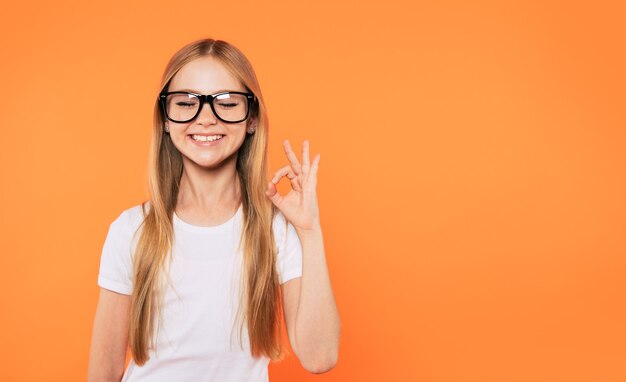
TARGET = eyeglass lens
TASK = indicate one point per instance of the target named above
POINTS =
(229, 107)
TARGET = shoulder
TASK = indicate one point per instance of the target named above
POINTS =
(284, 231)
(289, 257)
(279, 220)
(130, 218)
(279, 225)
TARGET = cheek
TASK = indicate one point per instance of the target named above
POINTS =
(239, 135)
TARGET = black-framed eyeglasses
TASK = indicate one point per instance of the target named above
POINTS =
(229, 107)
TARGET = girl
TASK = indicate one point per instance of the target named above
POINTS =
(197, 279)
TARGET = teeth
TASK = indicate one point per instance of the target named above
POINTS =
(204, 138)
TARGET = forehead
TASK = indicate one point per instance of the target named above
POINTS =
(204, 75)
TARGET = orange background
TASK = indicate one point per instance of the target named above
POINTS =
(471, 182)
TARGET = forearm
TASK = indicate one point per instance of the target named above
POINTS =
(317, 323)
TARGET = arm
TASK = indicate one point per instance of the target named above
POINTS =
(107, 357)
(311, 314)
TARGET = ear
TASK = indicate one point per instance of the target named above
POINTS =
(251, 127)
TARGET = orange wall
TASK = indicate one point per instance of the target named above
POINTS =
(471, 182)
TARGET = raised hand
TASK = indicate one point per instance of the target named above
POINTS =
(300, 205)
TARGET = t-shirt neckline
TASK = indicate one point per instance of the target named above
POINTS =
(210, 229)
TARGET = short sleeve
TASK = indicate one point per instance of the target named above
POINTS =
(289, 250)
(115, 262)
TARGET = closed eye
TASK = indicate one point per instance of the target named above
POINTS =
(185, 104)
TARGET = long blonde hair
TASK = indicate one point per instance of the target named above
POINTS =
(260, 301)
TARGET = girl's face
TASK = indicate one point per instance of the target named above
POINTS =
(206, 75)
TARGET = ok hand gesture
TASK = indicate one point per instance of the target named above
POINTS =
(299, 206)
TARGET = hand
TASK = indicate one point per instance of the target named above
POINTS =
(299, 206)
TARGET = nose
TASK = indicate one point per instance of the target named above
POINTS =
(206, 115)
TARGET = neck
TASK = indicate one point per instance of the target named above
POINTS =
(206, 190)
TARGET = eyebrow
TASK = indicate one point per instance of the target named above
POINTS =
(197, 92)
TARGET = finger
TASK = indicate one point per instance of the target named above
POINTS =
(288, 171)
(315, 164)
(311, 183)
(273, 194)
(293, 159)
(306, 165)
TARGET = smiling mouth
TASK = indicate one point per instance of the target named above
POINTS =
(206, 138)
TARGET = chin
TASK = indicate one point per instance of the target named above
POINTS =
(209, 163)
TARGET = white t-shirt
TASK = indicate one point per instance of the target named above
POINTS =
(198, 339)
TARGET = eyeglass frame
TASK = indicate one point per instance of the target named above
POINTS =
(210, 98)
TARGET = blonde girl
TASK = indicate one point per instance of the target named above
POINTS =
(198, 279)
